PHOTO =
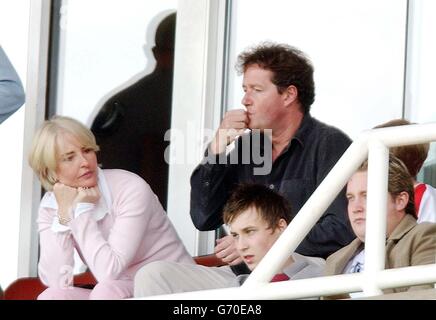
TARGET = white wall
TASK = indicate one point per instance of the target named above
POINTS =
(357, 48)
(14, 16)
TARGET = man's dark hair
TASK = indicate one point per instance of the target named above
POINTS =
(270, 206)
(289, 66)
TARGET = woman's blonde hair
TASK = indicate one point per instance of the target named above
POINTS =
(43, 157)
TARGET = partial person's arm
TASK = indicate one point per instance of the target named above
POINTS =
(424, 251)
(11, 89)
(213, 179)
(211, 185)
(56, 260)
(333, 230)
(109, 256)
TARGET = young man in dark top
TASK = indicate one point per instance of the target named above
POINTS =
(256, 216)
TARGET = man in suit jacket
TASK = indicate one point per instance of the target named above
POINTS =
(407, 244)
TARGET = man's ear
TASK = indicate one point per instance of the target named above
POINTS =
(290, 95)
(282, 225)
(401, 201)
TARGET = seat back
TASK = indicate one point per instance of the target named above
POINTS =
(209, 260)
(30, 288)
(24, 289)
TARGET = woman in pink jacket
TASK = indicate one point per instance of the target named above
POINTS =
(110, 218)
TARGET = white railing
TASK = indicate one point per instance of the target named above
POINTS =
(373, 144)
(313, 287)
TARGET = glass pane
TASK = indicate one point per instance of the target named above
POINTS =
(115, 74)
(357, 48)
(422, 77)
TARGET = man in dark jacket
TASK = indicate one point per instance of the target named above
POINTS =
(279, 90)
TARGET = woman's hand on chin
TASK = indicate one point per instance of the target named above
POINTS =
(88, 195)
(65, 197)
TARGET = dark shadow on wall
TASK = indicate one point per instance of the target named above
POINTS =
(131, 125)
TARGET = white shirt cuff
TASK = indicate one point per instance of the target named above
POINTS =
(56, 226)
(81, 208)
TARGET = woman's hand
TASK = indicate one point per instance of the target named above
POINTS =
(88, 195)
(65, 197)
(68, 197)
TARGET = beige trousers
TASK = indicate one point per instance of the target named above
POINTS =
(164, 277)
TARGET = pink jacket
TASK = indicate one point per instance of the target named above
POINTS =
(135, 231)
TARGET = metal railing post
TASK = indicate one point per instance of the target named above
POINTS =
(310, 213)
(376, 207)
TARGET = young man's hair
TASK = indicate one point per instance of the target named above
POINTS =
(289, 66)
(413, 156)
(270, 206)
(399, 180)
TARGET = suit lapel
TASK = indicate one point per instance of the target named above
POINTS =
(344, 255)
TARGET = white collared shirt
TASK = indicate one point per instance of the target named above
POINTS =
(101, 208)
(357, 264)
(98, 211)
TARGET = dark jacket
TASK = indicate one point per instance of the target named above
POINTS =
(296, 173)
